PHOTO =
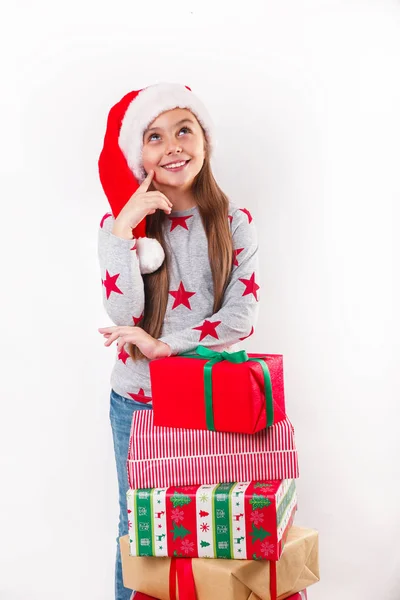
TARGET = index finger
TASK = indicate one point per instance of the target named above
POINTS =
(144, 186)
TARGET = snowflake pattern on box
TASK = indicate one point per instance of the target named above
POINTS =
(177, 515)
(267, 549)
(256, 517)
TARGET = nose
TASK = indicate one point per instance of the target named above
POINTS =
(174, 148)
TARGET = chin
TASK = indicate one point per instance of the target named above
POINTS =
(179, 182)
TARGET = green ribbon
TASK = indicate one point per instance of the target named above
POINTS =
(239, 357)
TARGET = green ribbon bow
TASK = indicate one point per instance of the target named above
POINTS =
(236, 358)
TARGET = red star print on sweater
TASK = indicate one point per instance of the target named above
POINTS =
(136, 320)
(189, 318)
(123, 355)
(140, 397)
(246, 212)
(182, 297)
(235, 255)
(208, 328)
(179, 221)
(247, 336)
(251, 286)
(110, 284)
(106, 216)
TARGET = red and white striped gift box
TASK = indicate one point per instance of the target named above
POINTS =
(165, 456)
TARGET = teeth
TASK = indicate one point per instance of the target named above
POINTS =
(175, 165)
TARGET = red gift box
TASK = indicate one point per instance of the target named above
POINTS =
(219, 391)
(165, 456)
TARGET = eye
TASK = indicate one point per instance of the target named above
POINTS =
(153, 135)
(185, 129)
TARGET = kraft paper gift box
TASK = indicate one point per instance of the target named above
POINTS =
(220, 391)
(216, 579)
(165, 456)
(229, 520)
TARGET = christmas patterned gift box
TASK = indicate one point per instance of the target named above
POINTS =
(164, 456)
(214, 579)
(220, 391)
(231, 520)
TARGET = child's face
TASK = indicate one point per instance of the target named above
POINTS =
(174, 137)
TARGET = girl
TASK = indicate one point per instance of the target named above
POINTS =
(194, 280)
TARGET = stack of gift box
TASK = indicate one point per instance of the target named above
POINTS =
(212, 472)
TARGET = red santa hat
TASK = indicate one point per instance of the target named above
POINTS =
(120, 164)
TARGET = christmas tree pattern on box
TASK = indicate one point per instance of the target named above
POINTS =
(230, 520)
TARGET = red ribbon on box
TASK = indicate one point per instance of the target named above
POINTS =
(231, 392)
(236, 358)
(181, 569)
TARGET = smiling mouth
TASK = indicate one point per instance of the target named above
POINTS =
(176, 165)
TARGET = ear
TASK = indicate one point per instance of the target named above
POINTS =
(205, 147)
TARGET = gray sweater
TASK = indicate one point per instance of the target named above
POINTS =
(189, 319)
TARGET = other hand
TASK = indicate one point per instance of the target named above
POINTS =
(149, 346)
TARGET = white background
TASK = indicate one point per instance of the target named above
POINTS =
(305, 95)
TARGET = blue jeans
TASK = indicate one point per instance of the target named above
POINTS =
(121, 411)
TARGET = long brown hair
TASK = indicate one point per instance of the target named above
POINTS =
(213, 207)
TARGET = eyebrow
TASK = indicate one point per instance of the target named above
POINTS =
(176, 124)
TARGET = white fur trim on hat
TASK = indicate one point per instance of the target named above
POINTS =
(150, 254)
(145, 108)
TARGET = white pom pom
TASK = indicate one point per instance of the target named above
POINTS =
(233, 348)
(150, 254)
